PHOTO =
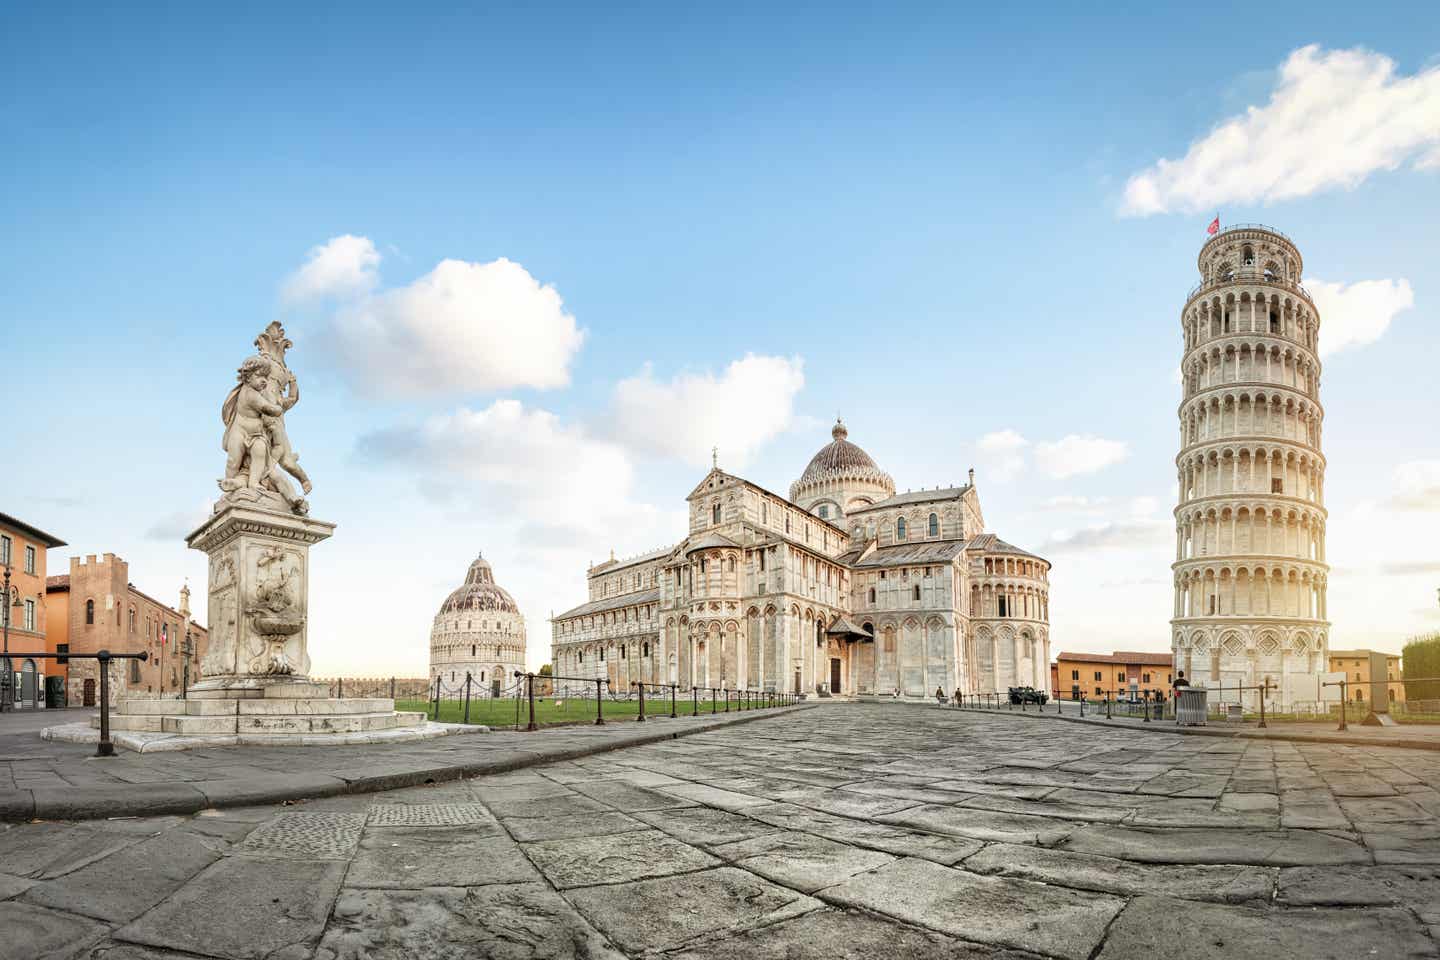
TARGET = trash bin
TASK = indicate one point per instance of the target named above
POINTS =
(1190, 706)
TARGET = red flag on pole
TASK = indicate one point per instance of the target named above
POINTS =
(1214, 227)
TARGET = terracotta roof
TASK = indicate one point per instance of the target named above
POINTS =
(34, 533)
(61, 581)
(1119, 656)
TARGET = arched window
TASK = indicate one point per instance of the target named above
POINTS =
(917, 591)
(582, 656)
(644, 649)
(715, 513)
(824, 511)
(472, 649)
(1247, 256)
(934, 525)
(900, 529)
(89, 612)
(872, 594)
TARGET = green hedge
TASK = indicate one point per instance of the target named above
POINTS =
(1422, 659)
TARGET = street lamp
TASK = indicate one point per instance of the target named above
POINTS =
(7, 682)
(186, 651)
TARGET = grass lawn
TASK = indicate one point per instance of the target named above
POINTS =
(502, 712)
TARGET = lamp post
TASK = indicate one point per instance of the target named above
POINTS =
(7, 682)
(187, 651)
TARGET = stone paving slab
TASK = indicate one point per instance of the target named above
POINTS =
(1019, 840)
(63, 781)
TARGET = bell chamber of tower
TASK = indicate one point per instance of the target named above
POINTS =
(1250, 570)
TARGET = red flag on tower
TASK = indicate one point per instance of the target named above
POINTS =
(1214, 227)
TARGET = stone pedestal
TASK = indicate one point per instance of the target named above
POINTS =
(255, 687)
(258, 595)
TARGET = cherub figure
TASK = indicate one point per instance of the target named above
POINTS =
(281, 388)
(250, 456)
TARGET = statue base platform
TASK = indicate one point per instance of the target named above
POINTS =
(279, 714)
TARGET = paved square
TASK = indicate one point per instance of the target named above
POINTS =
(862, 830)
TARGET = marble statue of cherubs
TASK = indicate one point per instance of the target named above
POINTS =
(251, 462)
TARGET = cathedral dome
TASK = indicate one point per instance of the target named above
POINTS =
(479, 592)
(841, 465)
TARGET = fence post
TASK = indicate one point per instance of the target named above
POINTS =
(1145, 697)
(1082, 704)
(340, 688)
(1107, 706)
(437, 698)
(1262, 706)
(1343, 697)
(530, 695)
(727, 698)
(1057, 701)
(105, 748)
(641, 686)
(694, 702)
(392, 688)
(672, 701)
(467, 696)
(599, 702)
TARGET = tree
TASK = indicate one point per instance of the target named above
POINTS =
(1422, 659)
(545, 670)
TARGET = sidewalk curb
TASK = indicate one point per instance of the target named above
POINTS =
(191, 796)
(1169, 727)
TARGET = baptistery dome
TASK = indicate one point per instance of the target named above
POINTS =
(839, 478)
(479, 592)
(478, 632)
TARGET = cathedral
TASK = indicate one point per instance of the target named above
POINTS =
(843, 588)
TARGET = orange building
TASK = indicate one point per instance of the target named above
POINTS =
(22, 550)
(103, 610)
(1116, 675)
(1361, 667)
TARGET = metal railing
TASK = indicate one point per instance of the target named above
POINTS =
(1345, 686)
(105, 748)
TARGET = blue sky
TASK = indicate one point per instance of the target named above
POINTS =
(921, 217)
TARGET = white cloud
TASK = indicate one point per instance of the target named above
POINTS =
(1078, 453)
(1354, 314)
(1075, 503)
(1142, 508)
(1333, 118)
(750, 403)
(1003, 453)
(1111, 536)
(179, 524)
(526, 462)
(461, 328)
(1417, 485)
(343, 266)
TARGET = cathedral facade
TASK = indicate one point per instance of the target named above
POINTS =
(843, 588)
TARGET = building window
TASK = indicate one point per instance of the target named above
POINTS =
(762, 559)
(824, 511)
(1144, 678)
(134, 671)
(900, 528)
(787, 523)
(29, 613)
(29, 559)
(89, 612)
(644, 649)
(1099, 675)
(872, 594)
(472, 649)
(715, 513)
(602, 654)
(622, 651)
(1277, 485)
(1001, 607)
(917, 591)
(934, 525)
(4, 550)
(1074, 674)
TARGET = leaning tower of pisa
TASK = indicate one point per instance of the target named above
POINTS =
(1250, 568)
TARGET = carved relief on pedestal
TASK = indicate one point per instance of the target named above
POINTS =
(275, 612)
(224, 619)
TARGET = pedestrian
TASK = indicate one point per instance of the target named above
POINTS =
(940, 696)
(1180, 681)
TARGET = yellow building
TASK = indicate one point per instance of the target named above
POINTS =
(1373, 674)
(1115, 675)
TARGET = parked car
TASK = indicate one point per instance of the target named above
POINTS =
(1028, 695)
